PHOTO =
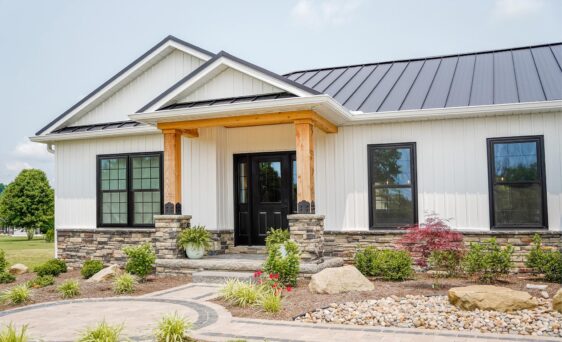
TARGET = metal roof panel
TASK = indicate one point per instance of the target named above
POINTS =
(439, 90)
(459, 94)
(400, 90)
(549, 71)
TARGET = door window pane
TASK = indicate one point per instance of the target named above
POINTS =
(517, 182)
(269, 181)
(392, 185)
(243, 183)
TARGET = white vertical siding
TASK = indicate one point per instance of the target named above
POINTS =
(230, 83)
(142, 89)
(451, 167)
(75, 165)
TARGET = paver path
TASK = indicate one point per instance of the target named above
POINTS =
(61, 321)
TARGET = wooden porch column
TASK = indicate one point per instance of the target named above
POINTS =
(172, 171)
(304, 130)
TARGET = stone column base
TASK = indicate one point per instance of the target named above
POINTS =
(164, 239)
(307, 230)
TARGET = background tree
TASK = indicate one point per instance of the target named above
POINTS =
(28, 202)
(2, 187)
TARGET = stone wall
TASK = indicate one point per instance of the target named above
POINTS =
(77, 245)
(223, 241)
(307, 231)
(344, 243)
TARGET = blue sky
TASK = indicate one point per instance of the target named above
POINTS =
(54, 52)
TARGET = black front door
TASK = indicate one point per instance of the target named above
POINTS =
(264, 192)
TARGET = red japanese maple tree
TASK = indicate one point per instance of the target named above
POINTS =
(434, 234)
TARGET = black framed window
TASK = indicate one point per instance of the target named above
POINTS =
(129, 189)
(392, 185)
(517, 185)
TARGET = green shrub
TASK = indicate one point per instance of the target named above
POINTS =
(90, 268)
(140, 259)
(446, 261)
(102, 332)
(52, 267)
(544, 261)
(271, 302)
(10, 333)
(6, 278)
(16, 295)
(50, 235)
(172, 328)
(283, 259)
(124, 283)
(197, 236)
(41, 281)
(392, 265)
(364, 259)
(3, 261)
(70, 288)
(488, 260)
(276, 236)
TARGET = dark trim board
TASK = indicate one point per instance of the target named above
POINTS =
(539, 139)
(414, 186)
(130, 194)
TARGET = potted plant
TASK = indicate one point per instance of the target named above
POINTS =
(195, 241)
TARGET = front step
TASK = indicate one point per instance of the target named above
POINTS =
(220, 277)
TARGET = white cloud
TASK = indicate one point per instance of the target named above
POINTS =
(32, 150)
(321, 13)
(517, 8)
(26, 155)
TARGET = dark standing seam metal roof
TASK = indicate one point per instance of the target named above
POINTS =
(97, 127)
(135, 62)
(525, 74)
(229, 100)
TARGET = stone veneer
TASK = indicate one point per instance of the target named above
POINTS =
(77, 245)
(344, 243)
(307, 231)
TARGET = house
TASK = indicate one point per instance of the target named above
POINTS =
(342, 155)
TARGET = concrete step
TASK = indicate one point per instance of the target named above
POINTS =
(220, 277)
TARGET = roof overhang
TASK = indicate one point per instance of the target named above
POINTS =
(324, 105)
(117, 132)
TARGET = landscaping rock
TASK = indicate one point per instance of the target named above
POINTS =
(557, 301)
(338, 280)
(18, 269)
(107, 273)
(537, 286)
(486, 297)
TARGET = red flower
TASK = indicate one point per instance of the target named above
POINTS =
(273, 276)
(257, 273)
(274, 285)
(289, 289)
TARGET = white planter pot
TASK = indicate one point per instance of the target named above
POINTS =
(194, 252)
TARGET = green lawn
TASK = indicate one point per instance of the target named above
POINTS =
(30, 253)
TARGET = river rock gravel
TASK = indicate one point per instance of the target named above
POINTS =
(437, 313)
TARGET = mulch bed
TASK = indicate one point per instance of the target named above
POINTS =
(90, 290)
(300, 300)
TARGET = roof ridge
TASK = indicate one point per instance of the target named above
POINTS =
(423, 58)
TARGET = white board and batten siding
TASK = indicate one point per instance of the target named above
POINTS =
(142, 89)
(230, 83)
(452, 167)
(75, 174)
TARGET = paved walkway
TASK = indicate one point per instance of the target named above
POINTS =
(62, 321)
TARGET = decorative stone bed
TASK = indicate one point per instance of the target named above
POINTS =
(435, 312)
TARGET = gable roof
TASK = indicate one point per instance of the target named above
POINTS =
(169, 39)
(525, 74)
(208, 67)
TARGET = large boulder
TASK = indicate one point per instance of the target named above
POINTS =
(18, 269)
(486, 297)
(338, 280)
(557, 301)
(107, 273)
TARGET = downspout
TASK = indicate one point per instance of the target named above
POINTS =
(51, 148)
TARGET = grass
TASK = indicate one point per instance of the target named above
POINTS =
(28, 252)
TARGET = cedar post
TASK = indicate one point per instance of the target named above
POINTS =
(172, 171)
(304, 130)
